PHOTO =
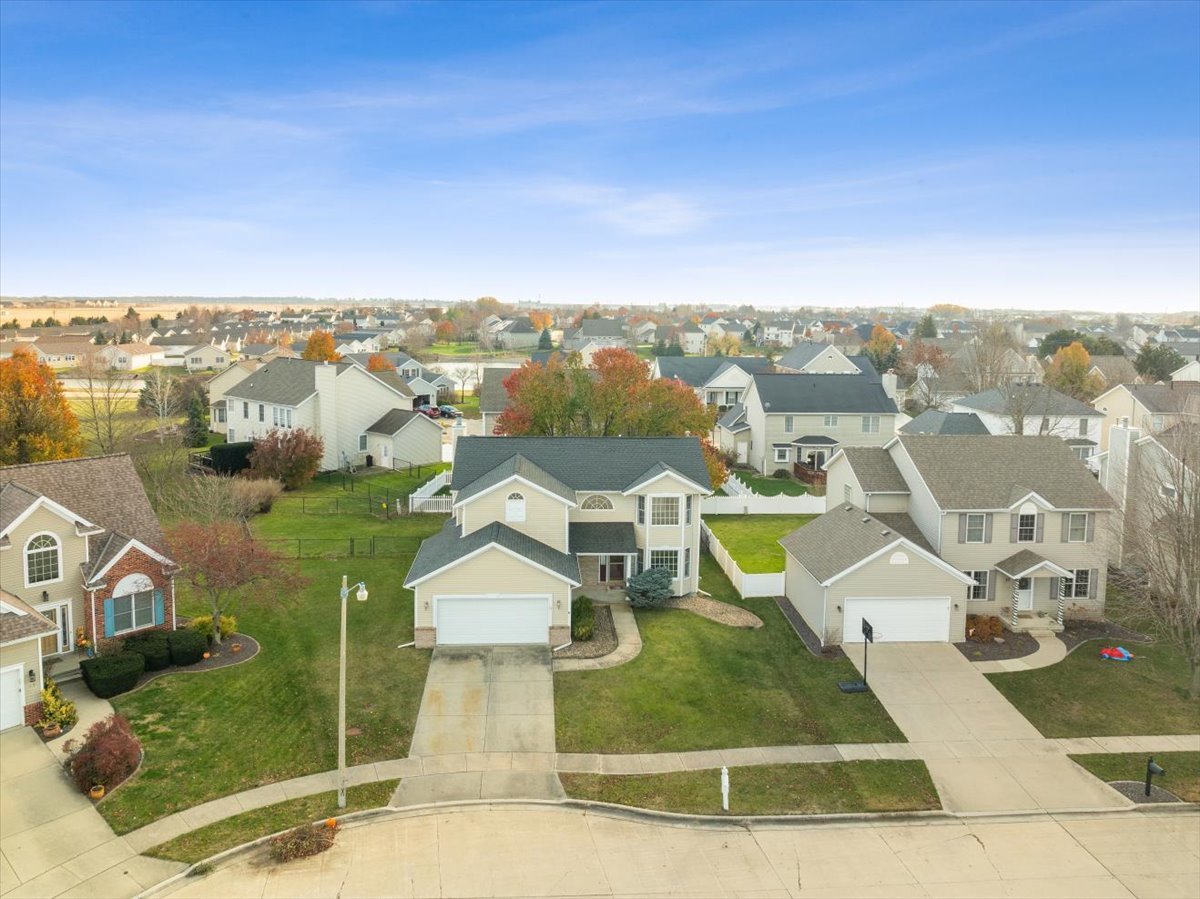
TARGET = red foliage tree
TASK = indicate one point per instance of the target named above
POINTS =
(290, 456)
(109, 754)
(444, 332)
(222, 561)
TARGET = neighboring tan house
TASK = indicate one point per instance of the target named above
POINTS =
(517, 334)
(1189, 371)
(926, 530)
(80, 545)
(603, 332)
(204, 357)
(1113, 370)
(1149, 407)
(538, 520)
(220, 384)
(131, 356)
(719, 381)
(811, 358)
(63, 352)
(343, 403)
(693, 339)
(788, 419)
(265, 352)
(1027, 410)
(782, 331)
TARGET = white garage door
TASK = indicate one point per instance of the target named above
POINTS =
(899, 619)
(490, 620)
(12, 697)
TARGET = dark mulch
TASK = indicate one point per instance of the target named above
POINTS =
(1081, 631)
(805, 633)
(604, 638)
(1136, 791)
(219, 657)
(1014, 647)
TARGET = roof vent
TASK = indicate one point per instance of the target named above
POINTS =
(884, 532)
(848, 508)
(866, 519)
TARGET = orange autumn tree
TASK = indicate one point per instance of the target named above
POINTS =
(379, 362)
(1068, 373)
(320, 348)
(36, 422)
(541, 320)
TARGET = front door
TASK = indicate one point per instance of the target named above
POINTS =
(1024, 594)
(62, 639)
(612, 569)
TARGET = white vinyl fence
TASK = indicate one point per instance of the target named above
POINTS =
(747, 585)
(733, 486)
(423, 500)
(807, 504)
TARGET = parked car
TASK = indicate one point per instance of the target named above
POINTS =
(431, 411)
(448, 411)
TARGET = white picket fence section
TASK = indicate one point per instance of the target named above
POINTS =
(734, 487)
(747, 585)
(423, 500)
(807, 504)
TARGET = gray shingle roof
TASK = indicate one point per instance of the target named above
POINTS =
(699, 370)
(1020, 562)
(993, 472)
(734, 418)
(23, 624)
(393, 380)
(14, 499)
(284, 382)
(600, 327)
(520, 466)
(801, 354)
(1115, 369)
(822, 394)
(934, 421)
(492, 395)
(843, 536)
(1173, 397)
(815, 440)
(447, 547)
(613, 537)
(582, 463)
(1035, 400)
(875, 470)
(393, 421)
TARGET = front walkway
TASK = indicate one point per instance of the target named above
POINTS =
(53, 842)
(482, 700)
(629, 643)
(547, 851)
(935, 695)
(1050, 651)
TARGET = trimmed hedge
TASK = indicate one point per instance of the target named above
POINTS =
(187, 646)
(231, 458)
(112, 674)
(153, 647)
(583, 618)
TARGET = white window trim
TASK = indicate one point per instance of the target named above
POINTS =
(362, 443)
(789, 424)
(987, 576)
(132, 597)
(1032, 528)
(781, 449)
(678, 552)
(1073, 580)
(870, 424)
(513, 511)
(982, 528)
(830, 421)
(597, 497)
(1070, 522)
(678, 517)
(58, 547)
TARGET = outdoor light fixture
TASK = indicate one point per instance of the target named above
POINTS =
(32, 676)
(361, 596)
(45, 596)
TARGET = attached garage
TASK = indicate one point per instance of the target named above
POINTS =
(898, 619)
(491, 620)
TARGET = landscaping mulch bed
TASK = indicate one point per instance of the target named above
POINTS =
(1135, 791)
(805, 633)
(604, 638)
(1081, 631)
(219, 658)
(715, 610)
(1015, 646)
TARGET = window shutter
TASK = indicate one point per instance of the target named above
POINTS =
(1093, 576)
(962, 527)
(109, 627)
(1041, 523)
(1091, 527)
(1066, 527)
(1054, 588)
(987, 530)
(158, 607)
(991, 588)
(1012, 527)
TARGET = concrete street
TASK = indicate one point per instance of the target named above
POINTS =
(992, 758)
(547, 851)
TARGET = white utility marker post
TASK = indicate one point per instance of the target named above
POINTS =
(361, 596)
(724, 788)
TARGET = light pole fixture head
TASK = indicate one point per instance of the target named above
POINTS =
(361, 595)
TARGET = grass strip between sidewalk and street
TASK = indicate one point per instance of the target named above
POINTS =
(797, 789)
(207, 841)
(1182, 777)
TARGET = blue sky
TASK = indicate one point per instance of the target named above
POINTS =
(1041, 155)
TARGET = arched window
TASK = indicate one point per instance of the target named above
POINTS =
(42, 559)
(898, 558)
(514, 507)
(597, 503)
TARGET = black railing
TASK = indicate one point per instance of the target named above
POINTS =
(379, 546)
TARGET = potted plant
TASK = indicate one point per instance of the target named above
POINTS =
(235, 647)
(208, 655)
(96, 792)
(50, 729)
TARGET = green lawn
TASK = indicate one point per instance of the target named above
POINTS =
(1182, 777)
(701, 685)
(275, 717)
(468, 405)
(808, 789)
(753, 540)
(765, 486)
(460, 348)
(1086, 696)
(221, 835)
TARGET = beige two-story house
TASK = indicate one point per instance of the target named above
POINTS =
(80, 547)
(537, 520)
(1151, 408)
(928, 529)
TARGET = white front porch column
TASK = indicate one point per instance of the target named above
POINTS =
(1062, 599)
(1015, 592)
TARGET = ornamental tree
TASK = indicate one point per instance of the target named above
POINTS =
(1068, 373)
(320, 348)
(882, 349)
(379, 362)
(36, 422)
(291, 456)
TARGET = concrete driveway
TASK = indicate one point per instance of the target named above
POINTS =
(53, 842)
(485, 700)
(982, 753)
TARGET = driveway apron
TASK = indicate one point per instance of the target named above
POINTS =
(982, 753)
(479, 703)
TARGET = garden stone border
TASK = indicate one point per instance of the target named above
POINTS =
(715, 610)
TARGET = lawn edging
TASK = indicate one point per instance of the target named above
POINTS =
(747, 585)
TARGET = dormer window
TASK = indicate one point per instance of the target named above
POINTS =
(597, 503)
(43, 559)
(514, 507)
